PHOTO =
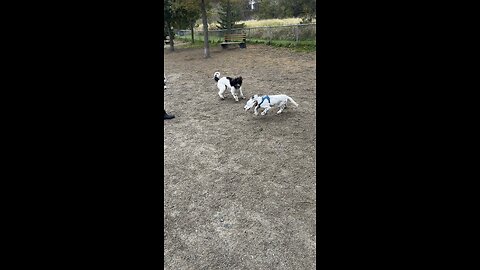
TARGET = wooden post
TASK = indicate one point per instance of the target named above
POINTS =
(296, 35)
(269, 35)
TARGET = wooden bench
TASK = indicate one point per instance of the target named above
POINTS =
(240, 39)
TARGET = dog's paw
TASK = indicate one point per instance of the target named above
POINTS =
(256, 113)
(243, 97)
(263, 113)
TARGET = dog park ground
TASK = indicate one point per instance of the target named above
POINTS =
(239, 189)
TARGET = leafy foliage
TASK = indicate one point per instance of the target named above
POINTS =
(167, 16)
(185, 12)
(272, 9)
(229, 15)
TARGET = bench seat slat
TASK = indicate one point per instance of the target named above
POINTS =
(235, 39)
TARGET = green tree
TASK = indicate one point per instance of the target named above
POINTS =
(230, 14)
(186, 13)
(168, 16)
(305, 9)
(309, 11)
(268, 9)
(179, 14)
(278, 9)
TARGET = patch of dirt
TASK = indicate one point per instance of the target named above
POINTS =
(239, 189)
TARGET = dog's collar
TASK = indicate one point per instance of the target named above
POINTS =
(263, 99)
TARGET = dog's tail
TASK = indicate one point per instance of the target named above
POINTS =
(293, 101)
(216, 76)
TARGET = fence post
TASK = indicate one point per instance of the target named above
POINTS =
(269, 35)
(296, 35)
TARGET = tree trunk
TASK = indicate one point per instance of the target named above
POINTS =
(205, 29)
(192, 25)
(229, 18)
(170, 35)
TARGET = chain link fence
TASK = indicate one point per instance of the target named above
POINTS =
(293, 34)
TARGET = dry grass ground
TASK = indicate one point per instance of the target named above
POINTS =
(239, 189)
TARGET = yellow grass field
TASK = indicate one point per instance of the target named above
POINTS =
(258, 23)
(271, 22)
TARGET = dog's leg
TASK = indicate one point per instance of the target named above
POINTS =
(266, 110)
(255, 110)
(221, 91)
(282, 106)
(241, 93)
(232, 89)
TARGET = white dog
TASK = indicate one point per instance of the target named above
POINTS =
(267, 102)
(234, 84)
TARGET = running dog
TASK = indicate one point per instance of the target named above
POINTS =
(267, 102)
(234, 84)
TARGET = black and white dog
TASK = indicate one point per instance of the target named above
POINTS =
(234, 84)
